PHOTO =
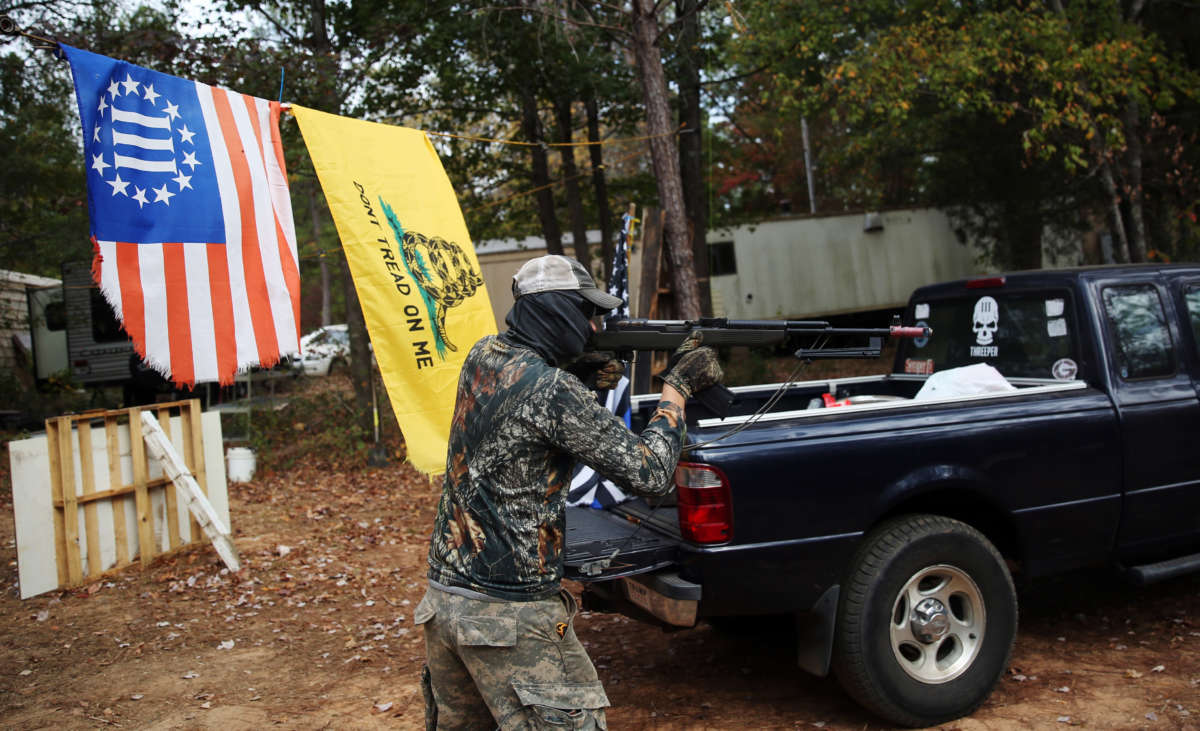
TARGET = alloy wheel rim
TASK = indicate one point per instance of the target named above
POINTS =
(937, 624)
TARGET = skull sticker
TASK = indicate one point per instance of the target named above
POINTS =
(986, 320)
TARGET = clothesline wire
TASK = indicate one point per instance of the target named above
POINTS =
(560, 181)
(589, 143)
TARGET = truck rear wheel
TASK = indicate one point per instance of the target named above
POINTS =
(926, 622)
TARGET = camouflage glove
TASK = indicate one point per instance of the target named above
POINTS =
(598, 370)
(694, 368)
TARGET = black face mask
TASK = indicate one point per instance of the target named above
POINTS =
(554, 324)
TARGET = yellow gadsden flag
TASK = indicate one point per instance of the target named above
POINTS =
(414, 268)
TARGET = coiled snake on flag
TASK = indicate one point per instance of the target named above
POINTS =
(458, 280)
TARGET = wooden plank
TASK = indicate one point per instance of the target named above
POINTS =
(197, 502)
(91, 521)
(56, 493)
(170, 496)
(141, 475)
(66, 469)
(117, 490)
(193, 442)
(96, 414)
(164, 420)
(652, 231)
(648, 292)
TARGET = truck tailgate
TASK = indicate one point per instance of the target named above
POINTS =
(594, 535)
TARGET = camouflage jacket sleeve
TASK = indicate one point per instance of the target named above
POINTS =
(577, 424)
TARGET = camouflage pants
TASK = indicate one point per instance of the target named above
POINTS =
(512, 665)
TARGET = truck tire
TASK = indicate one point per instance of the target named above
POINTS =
(926, 621)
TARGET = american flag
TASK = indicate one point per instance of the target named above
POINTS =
(618, 285)
(587, 487)
(191, 220)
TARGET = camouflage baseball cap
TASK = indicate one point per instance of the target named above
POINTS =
(554, 272)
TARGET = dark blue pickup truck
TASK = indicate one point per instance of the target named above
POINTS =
(890, 513)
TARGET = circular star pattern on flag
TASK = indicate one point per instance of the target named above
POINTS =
(126, 159)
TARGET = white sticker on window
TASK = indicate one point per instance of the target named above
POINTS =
(985, 320)
(1054, 308)
(1064, 370)
(1056, 328)
(921, 311)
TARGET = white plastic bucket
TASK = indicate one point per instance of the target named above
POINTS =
(239, 464)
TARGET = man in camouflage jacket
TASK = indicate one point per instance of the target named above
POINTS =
(499, 640)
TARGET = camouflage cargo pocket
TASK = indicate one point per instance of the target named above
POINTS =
(563, 705)
(486, 631)
(424, 611)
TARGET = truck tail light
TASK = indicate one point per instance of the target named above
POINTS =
(704, 504)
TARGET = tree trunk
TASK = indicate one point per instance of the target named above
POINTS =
(664, 155)
(360, 356)
(531, 126)
(1121, 242)
(691, 143)
(360, 359)
(320, 35)
(562, 111)
(1133, 157)
(600, 183)
(326, 299)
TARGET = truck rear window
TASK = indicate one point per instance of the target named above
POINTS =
(1022, 335)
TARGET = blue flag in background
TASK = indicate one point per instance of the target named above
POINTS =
(587, 487)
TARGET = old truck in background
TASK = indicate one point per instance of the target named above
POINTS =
(73, 331)
(890, 517)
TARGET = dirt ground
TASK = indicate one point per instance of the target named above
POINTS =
(316, 632)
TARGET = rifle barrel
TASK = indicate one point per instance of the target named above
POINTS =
(668, 334)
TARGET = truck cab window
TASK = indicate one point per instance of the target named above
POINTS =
(1139, 327)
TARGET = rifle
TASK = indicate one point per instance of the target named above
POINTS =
(624, 337)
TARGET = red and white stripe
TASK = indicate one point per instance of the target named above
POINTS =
(202, 311)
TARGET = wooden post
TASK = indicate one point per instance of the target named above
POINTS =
(56, 494)
(87, 475)
(193, 452)
(141, 475)
(120, 537)
(170, 496)
(648, 291)
(70, 505)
